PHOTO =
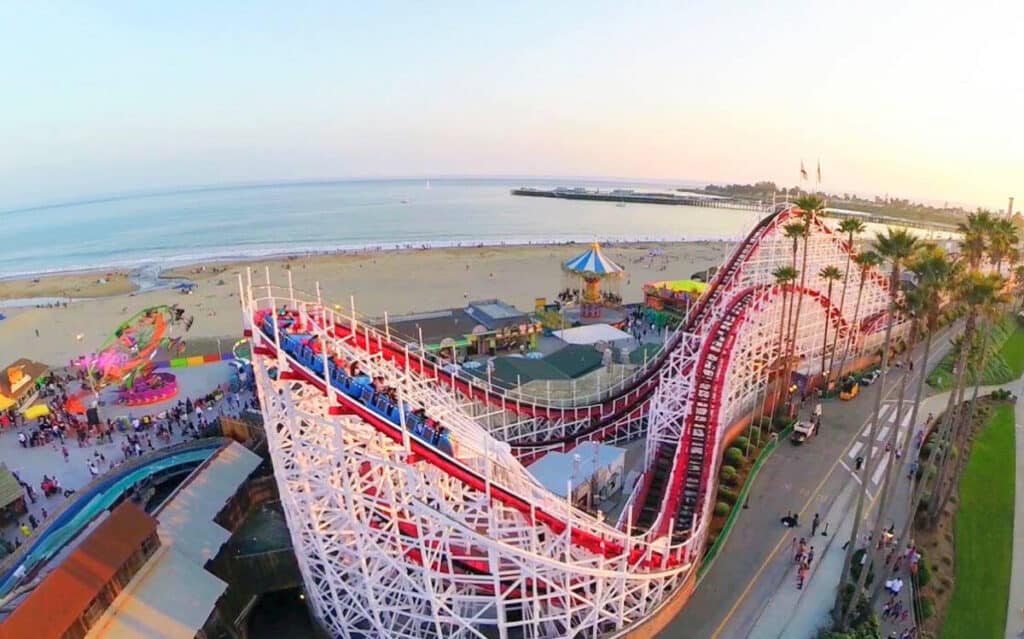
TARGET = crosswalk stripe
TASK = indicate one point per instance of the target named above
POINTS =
(883, 415)
(855, 449)
(906, 420)
(879, 469)
(856, 477)
(882, 435)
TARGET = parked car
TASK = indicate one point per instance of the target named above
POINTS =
(870, 378)
(803, 431)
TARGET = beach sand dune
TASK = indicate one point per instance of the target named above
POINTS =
(394, 281)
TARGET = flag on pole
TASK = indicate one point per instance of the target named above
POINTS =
(803, 171)
(819, 171)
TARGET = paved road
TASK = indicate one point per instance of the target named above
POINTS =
(751, 584)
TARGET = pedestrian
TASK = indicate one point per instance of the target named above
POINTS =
(860, 462)
(45, 514)
(810, 556)
(814, 524)
(64, 451)
(93, 470)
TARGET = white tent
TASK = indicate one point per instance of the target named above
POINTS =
(592, 333)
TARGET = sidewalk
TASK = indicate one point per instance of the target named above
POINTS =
(1015, 604)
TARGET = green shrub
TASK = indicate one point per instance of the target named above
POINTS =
(741, 443)
(924, 573)
(766, 423)
(927, 608)
(734, 456)
(855, 568)
(722, 509)
(727, 494)
(729, 475)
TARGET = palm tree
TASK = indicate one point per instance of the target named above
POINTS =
(934, 272)
(1018, 284)
(852, 227)
(974, 291)
(793, 231)
(810, 206)
(784, 278)
(830, 274)
(984, 297)
(1003, 239)
(897, 246)
(865, 262)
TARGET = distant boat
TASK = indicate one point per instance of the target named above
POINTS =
(620, 204)
(405, 201)
(428, 185)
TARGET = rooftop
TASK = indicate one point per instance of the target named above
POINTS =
(80, 577)
(173, 595)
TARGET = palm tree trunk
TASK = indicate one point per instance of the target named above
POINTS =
(868, 468)
(842, 303)
(824, 341)
(796, 320)
(915, 489)
(853, 332)
(890, 459)
(949, 417)
(966, 426)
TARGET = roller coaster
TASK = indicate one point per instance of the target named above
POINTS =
(405, 485)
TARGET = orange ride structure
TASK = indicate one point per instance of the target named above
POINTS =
(412, 512)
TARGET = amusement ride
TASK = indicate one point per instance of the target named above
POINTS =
(125, 360)
(405, 485)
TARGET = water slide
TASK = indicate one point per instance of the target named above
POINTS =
(89, 502)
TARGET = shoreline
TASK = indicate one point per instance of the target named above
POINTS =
(57, 286)
(171, 263)
(398, 282)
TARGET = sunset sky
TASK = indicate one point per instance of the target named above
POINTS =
(922, 99)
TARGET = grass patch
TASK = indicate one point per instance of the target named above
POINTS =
(1012, 352)
(984, 534)
(1004, 362)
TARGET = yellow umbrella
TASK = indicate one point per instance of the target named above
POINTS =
(5, 402)
(36, 411)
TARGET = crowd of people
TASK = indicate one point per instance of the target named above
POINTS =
(130, 435)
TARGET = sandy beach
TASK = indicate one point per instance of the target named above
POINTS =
(394, 281)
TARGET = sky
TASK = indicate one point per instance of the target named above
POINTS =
(920, 99)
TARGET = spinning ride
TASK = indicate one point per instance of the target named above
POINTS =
(126, 358)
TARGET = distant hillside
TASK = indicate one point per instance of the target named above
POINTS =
(889, 207)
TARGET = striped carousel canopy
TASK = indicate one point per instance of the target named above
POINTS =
(593, 261)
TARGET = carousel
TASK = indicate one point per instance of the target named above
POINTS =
(592, 288)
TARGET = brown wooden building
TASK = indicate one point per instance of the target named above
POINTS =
(69, 600)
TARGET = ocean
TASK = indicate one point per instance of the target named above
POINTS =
(164, 229)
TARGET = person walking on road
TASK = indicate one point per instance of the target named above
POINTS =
(814, 524)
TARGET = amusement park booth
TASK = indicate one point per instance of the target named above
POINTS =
(674, 296)
(593, 470)
(12, 497)
(19, 381)
(483, 327)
